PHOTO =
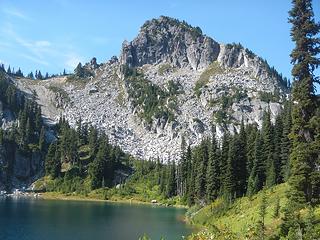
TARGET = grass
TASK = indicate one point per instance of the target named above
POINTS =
(241, 216)
(138, 189)
(213, 69)
(239, 220)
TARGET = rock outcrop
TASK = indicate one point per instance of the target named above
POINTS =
(196, 82)
(166, 40)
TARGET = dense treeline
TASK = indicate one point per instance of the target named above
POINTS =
(25, 136)
(82, 159)
(235, 166)
(34, 76)
(28, 133)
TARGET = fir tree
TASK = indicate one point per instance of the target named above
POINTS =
(304, 58)
(213, 171)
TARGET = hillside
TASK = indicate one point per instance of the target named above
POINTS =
(240, 219)
(170, 81)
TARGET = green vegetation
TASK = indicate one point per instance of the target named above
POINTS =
(60, 91)
(195, 31)
(164, 68)
(25, 138)
(290, 210)
(213, 69)
(153, 101)
(270, 97)
(283, 81)
(226, 101)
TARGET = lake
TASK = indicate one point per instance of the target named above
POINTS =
(36, 219)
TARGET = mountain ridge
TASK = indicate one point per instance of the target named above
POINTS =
(180, 82)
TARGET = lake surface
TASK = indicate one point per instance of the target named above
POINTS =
(36, 219)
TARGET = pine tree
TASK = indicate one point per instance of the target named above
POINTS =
(79, 72)
(285, 142)
(92, 139)
(213, 171)
(268, 149)
(241, 162)
(262, 214)
(39, 75)
(224, 160)
(278, 131)
(9, 70)
(250, 147)
(201, 157)
(52, 162)
(229, 191)
(257, 175)
(30, 75)
(171, 189)
(304, 58)
(42, 140)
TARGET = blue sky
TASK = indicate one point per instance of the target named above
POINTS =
(57, 34)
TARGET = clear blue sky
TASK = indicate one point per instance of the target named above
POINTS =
(57, 34)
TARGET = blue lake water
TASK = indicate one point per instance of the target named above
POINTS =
(36, 219)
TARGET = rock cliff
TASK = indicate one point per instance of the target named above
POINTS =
(168, 82)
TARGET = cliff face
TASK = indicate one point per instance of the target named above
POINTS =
(170, 81)
(19, 170)
(166, 40)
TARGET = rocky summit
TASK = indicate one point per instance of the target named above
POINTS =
(170, 82)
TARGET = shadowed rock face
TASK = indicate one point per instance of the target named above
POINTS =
(170, 41)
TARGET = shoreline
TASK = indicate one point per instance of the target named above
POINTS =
(63, 197)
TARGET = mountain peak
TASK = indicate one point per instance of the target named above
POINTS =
(165, 22)
(168, 40)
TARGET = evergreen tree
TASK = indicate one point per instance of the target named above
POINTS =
(262, 214)
(213, 171)
(230, 174)
(278, 131)
(171, 184)
(250, 147)
(92, 139)
(79, 71)
(9, 70)
(257, 175)
(241, 162)
(42, 140)
(52, 162)
(268, 149)
(30, 75)
(224, 160)
(39, 75)
(304, 58)
(201, 161)
(285, 142)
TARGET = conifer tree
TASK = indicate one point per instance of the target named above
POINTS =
(230, 174)
(42, 139)
(241, 162)
(304, 58)
(201, 156)
(9, 70)
(213, 171)
(285, 142)
(223, 161)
